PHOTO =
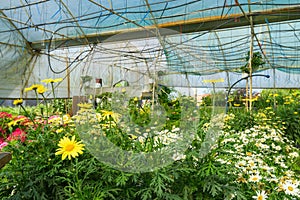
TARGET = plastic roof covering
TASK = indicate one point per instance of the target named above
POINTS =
(37, 19)
(28, 26)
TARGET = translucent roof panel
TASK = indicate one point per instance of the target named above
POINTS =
(226, 50)
(38, 19)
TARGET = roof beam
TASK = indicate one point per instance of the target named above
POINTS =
(183, 26)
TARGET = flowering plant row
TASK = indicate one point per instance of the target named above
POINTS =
(253, 156)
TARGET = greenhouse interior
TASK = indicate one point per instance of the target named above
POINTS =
(150, 99)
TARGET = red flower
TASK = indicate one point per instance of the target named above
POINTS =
(18, 134)
(5, 114)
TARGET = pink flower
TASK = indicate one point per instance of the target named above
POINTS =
(53, 117)
(3, 144)
(18, 134)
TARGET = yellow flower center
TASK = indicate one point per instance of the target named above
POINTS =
(254, 178)
(260, 197)
(248, 153)
(69, 147)
(290, 188)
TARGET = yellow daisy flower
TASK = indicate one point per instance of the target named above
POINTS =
(28, 89)
(41, 89)
(69, 148)
(85, 105)
(57, 80)
(50, 80)
(110, 114)
(230, 100)
(18, 102)
(36, 86)
(33, 87)
(59, 130)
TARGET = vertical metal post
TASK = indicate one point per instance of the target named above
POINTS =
(250, 55)
(68, 78)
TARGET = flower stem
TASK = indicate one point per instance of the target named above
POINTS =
(47, 110)
(36, 95)
(30, 117)
(52, 87)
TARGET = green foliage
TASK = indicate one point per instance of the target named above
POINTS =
(291, 118)
(278, 108)
(206, 101)
(218, 97)
(296, 165)
(62, 106)
(256, 62)
(283, 108)
(248, 143)
(104, 101)
(242, 120)
(140, 113)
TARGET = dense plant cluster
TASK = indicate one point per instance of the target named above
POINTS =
(254, 155)
(279, 108)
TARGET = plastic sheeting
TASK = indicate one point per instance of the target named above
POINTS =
(36, 38)
(80, 78)
(38, 19)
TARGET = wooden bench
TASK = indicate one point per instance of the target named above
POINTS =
(5, 157)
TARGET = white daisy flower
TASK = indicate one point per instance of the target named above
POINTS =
(255, 178)
(294, 154)
(260, 195)
(241, 164)
(290, 188)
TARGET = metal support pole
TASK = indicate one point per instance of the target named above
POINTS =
(250, 55)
